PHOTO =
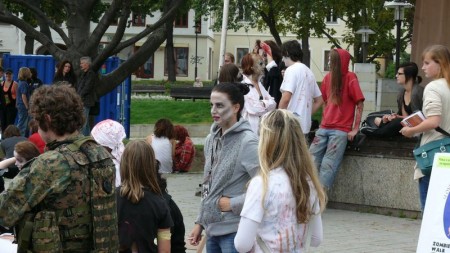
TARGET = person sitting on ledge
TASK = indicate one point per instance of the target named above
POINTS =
(184, 150)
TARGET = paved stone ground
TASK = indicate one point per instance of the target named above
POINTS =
(344, 231)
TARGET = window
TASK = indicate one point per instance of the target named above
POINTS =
(326, 60)
(242, 12)
(181, 61)
(101, 47)
(181, 21)
(138, 19)
(240, 53)
(331, 18)
(146, 70)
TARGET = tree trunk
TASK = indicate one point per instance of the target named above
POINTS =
(29, 45)
(305, 49)
(170, 54)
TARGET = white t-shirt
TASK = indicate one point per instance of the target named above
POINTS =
(300, 81)
(278, 222)
(163, 153)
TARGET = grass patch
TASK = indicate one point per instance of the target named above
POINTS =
(148, 111)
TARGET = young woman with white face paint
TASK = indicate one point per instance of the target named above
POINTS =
(231, 160)
(257, 101)
(436, 101)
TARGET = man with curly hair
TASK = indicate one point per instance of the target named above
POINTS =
(67, 194)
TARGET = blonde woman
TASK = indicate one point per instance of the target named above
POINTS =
(142, 212)
(286, 198)
(22, 102)
(436, 101)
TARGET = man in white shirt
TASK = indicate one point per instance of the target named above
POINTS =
(300, 92)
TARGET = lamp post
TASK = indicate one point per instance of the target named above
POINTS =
(198, 29)
(365, 32)
(398, 6)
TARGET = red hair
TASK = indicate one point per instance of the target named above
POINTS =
(181, 133)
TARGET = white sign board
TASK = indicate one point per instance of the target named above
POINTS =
(435, 230)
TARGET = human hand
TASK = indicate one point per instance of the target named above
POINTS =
(351, 135)
(224, 204)
(407, 132)
(266, 48)
(196, 235)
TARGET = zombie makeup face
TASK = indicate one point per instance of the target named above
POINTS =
(20, 161)
(223, 112)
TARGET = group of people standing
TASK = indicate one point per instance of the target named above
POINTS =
(252, 140)
(15, 97)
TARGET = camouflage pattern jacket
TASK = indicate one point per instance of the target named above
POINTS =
(56, 189)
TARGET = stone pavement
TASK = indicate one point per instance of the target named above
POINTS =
(344, 231)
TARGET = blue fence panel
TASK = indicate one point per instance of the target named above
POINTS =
(114, 105)
(44, 65)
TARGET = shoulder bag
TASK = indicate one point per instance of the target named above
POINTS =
(424, 154)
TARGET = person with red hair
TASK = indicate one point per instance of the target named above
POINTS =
(184, 150)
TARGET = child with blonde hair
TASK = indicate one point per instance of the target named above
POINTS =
(279, 217)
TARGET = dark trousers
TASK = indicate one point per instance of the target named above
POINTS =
(8, 116)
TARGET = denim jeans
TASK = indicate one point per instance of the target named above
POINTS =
(22, 121)
(328, 149)
(221, 244)
(423, 190)
(86, 130)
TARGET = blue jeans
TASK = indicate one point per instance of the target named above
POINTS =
(86, 130)
(221, 244)
(22, 121)
(423, 190)
(328, 149)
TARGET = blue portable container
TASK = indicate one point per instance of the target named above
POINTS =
(115, 105)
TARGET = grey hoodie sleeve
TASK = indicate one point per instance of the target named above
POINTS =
(250, 162)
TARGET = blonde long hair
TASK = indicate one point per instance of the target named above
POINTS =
(137, 170)
(282, 144)
(441, 55)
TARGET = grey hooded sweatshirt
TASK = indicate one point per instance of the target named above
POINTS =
(231, 160)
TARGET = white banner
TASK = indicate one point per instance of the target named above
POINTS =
(435, 230)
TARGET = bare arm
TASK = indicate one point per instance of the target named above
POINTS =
(285, 99)
(317, 103)
(163, 243)
(358, 114)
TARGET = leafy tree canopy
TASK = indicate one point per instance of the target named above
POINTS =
(37, 16)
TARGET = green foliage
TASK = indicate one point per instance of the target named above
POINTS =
(390, 69)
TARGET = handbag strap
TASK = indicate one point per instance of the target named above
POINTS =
(442, 131)
(262, 245)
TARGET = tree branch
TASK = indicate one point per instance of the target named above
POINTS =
(9, 18)
(111, 80)
(150, 28)
(105, 22)
(44, 17)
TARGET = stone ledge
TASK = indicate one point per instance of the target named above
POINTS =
(378, 176)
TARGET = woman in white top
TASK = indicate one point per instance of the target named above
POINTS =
(436, 102)
(163, 143)
(291, 200)
(258, 101)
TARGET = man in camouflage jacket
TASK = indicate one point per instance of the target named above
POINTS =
(68, 191)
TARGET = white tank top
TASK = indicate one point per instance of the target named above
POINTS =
(163, 153)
